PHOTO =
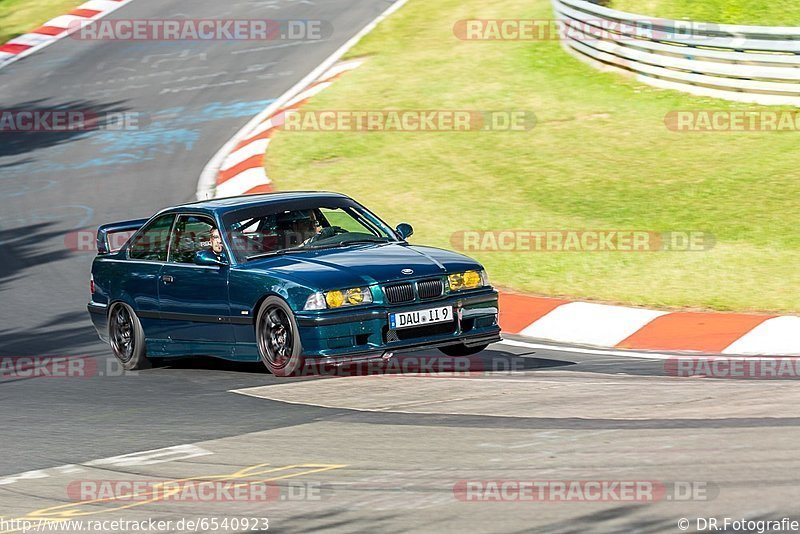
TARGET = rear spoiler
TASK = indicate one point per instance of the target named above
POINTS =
(106, 230)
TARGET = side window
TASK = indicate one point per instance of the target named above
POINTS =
(151, 243)
(192, 234)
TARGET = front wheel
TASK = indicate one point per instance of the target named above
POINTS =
(278, 338)
(127, 337)
(462, 350)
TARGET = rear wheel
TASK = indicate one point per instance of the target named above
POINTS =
(127, 337)
(462, 350)
(278, 338)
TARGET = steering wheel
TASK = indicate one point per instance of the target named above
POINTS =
(325, 233)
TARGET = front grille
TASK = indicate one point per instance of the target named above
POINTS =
(429, 289)
(409, 334)
(398, 293)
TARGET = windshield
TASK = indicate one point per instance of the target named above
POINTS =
(267, 230)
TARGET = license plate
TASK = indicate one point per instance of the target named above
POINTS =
(420, 317)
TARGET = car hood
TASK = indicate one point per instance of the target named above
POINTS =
(362, 264)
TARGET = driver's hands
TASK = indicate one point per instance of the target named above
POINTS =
(330, 231)
(325, 233)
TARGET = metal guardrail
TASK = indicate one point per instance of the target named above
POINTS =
(759, 64)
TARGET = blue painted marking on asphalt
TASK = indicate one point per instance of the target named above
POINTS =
(147, 139)
(220, 110)
(18, 189)
(170, 130)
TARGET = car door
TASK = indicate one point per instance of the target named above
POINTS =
(193, 299)
(139, 281)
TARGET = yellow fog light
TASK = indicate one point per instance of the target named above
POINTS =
(334, 298)
(465, 280)
(472, 279)
(348, 297)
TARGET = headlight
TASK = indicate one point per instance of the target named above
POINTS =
(338, 298)
(315, 302)
(467, 280)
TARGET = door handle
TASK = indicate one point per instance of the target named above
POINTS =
(167, 278)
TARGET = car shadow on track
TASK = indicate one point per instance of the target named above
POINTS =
(209, 363)
(26, 134)
(419, 363)
(65, 335)
(22, 248)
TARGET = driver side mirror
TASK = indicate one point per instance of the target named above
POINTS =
(404, 230)
(207, 258)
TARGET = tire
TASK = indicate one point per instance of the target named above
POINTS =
(278, 338)
(126, 336)
(462, 350)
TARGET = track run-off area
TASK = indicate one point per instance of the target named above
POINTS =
(522, 437)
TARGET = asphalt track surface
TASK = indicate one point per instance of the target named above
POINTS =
(359, 451)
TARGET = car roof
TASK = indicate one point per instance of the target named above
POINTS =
(222, 205)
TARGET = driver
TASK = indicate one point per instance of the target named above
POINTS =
(216, 245)
(308, 227)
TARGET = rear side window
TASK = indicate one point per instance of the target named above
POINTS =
(151, 243)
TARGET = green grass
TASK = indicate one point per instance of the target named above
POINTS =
(20, 16)
(600, 157)
(751, 12)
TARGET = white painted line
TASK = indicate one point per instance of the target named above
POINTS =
(589, 323)
(261, 128)
(208, 178)
(256, 148)
(134, 459)
(776, 336)
(340, 68)
(578, 350)
(625, 353)
(308, 93)
(242, 182)
(152, 456)
(69, 469)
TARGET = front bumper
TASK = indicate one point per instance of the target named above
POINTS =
(365, 333)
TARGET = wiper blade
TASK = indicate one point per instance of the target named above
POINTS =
(343, 244)
(275, 253)
(361, 241)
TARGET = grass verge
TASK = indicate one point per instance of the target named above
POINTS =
(20, 16)
(600, 157)
(750, 12)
